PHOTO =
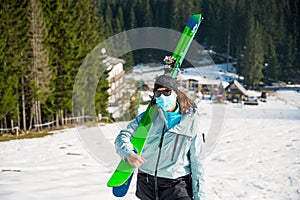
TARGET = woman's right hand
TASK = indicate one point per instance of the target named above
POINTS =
(135, 160)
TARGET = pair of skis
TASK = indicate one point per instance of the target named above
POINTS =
(122, 176)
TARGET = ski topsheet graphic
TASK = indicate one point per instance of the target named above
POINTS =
(120, 179)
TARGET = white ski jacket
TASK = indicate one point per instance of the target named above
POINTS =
(181, 151)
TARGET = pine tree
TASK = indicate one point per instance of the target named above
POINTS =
(132, 18)
(102, 95)
(175, 16)
(108, 21)
(119, 21)
(253, 61)
(147, 16)
(288, 70)
(272, 67)
(239, 30)
(38, 74)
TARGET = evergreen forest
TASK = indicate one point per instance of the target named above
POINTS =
(44, 42)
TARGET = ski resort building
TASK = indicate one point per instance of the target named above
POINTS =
(116, 84)
(235, 91)
(193, 81)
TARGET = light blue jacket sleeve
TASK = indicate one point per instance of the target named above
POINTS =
(123, 145)
(197, 152)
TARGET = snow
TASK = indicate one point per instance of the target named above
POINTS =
(253, 93)
(256, 156)
(145, 72)
(209, 72)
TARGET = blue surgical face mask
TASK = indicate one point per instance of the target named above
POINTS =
(166, 102)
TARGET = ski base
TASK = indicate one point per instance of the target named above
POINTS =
(122, 190)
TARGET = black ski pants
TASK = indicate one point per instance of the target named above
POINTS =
(167, 189)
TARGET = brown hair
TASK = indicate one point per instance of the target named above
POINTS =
(185, 103)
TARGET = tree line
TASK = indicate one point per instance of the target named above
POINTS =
(42, 45)
(263, 36)
(44, 42)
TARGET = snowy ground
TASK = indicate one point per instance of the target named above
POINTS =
(257, 156)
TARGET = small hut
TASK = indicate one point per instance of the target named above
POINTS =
(235, 91)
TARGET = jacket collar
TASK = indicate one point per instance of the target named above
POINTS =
(185, 125)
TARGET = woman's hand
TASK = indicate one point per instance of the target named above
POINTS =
(135, 160)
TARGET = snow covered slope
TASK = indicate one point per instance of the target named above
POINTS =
(256, 157)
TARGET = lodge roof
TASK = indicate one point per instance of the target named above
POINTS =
(238, 86)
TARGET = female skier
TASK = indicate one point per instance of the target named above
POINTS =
(170, 166)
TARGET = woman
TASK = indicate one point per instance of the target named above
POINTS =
(169, 166)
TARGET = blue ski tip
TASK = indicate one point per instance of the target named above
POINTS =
(194, 21)
(122, 190)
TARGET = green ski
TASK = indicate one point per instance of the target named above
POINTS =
(124, 170)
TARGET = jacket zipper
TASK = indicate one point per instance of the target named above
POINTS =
(157, 162)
